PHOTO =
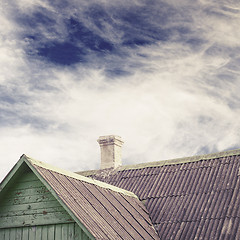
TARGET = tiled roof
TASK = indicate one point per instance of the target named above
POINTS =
(106, 211)
(187, 198)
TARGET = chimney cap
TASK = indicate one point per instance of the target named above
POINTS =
(110, 139)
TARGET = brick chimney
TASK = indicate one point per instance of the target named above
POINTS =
(111, 151)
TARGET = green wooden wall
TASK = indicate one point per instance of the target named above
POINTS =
(28, 202)
(66, 231)
(28, 211)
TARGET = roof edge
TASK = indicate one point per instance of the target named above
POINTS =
(11, 173)
(182, 160)
(78, 176)
(26, 160)
(160, 163)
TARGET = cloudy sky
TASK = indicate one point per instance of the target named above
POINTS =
(164, 75)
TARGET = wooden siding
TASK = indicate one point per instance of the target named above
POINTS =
(28, 203)
(67, 231)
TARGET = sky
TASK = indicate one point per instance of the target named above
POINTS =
(164, 75)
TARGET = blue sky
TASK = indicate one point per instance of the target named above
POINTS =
(164, 75)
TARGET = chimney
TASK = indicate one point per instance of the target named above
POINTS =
(111, 151)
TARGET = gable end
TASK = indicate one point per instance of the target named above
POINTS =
(27, 202)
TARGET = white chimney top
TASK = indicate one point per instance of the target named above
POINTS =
(111, 151)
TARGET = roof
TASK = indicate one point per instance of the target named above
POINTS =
(104, 211)
(189, 198)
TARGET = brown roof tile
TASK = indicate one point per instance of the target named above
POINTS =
(188, 198)
(107, 214)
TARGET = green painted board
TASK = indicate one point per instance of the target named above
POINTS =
(67, 231)
(30, 209)
(29, 203)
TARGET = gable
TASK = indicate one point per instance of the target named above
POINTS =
(102, 211)
(27, 202)
(28, 210)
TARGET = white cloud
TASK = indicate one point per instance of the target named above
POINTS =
(173, 105)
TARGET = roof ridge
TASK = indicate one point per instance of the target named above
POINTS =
(168, 162)
(181, 160)
(78, 176)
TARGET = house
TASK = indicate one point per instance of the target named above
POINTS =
(189, 198)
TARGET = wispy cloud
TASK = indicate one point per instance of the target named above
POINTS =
(164, 76)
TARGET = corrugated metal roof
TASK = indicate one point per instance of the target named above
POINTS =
(106, 211)
(192, 198)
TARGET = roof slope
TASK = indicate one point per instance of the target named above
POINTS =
(188, 198)
(106, 211)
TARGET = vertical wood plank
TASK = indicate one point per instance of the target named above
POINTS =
(7, 234)
(25, 233)
(65, 231)
(32, 233)
(12, 234)
(58, 231)
(77, 233)
(2, 234)
(71, 227)
(51, 232)
(38, 233)
(19, 233)
(44, 232)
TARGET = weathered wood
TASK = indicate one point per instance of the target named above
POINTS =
(12, 234)
(29, 208)
(25, 233)
(18, 233)
(18, 170)
(32, 232)
(79, 234)
(28, 177)
(45, 232)
(7, 234)
(17, 192)
(29, 203)
(51, 230)
(71, 228)
(18, 212)
(2, 234)
(58, 231)
(36, 219)
(26, 185)
(39, 233)
(64, 231)
(28, 199)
